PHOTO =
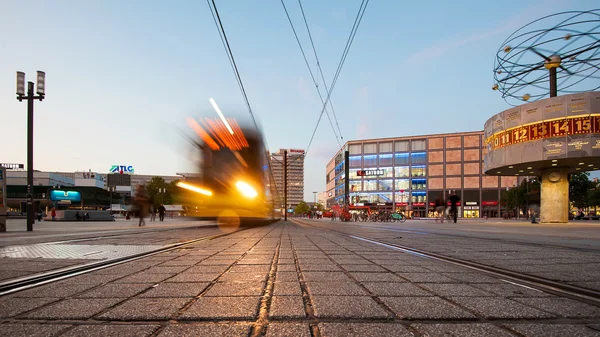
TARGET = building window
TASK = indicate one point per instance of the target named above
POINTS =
(402, 184)
(419, 197)
(386, 185)
(370, 185)
(402, 197)
(401, 146)
(385, 147)
(388, 172)
(418, 158)
(401, 159)
(370, 160)
(353, 174)
(402, 171)
(418, 145)
(385, 160)
(383, 197)
(419, 184)
(355, 186)
(354, 149)
(355, 161)
(418, 171)
(370, 148)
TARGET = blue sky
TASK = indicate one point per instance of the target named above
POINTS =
(122, 76)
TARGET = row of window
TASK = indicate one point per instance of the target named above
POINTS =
(388, 159)
(389, 185)
(386, 197)
(397, 146)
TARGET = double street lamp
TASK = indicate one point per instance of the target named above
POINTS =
(162, 191)
(111, 189)
(30, 97)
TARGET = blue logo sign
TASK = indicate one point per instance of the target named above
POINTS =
(121, 169)
(59, 195)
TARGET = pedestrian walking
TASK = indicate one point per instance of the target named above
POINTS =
(142, 202)
(152, 213)
(454, 199)
(440, 208)
(161, 212)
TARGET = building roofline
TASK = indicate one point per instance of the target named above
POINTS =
(413, 137)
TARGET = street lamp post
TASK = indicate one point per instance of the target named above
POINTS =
(162, 192)
(30, 97)
(315, 200)
(111, 189)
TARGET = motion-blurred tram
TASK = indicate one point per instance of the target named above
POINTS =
(235, 183)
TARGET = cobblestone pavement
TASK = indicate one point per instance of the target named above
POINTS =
(571, 264)
(29, 259)
(287, 279)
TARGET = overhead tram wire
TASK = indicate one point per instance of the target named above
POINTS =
(310, 71)
(320, 69)
(225, 42)
(357, 21)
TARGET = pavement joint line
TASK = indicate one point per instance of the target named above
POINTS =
(265, 304)
(373, 296)
(67, 272)
(588, 296)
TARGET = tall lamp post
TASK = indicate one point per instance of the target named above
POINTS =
(30, 97)
(111, 189)
(315, 199)
(162, 191)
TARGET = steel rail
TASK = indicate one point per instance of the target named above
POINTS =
(589, 296)
(31, 281)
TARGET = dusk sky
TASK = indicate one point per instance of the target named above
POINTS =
(122, 76)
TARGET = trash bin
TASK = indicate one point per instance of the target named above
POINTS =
(3, 216)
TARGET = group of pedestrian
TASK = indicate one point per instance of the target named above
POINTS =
(144, 207)
(441, 205)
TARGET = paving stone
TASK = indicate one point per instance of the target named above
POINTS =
(363, 330)
(403, 268)
(285, 307)
(286, 276)
(207, 269)
(427, 278)
(326, 276)
(144, 277)
(489, 307)
(462, 330)
(554, 330)
(12, 306)
(562, 307)
(31, 330)
(55, 290)
(376, 277)
(145, 309)
(326, 267)
(250, 269)
(241, 277)
(364, 267)
(188, 330)
(287, 288)
(286, 261)
(288, 329)
(227, 289)
(395, 289)
(101, 330)
(166, 270)
(511, 290)
(190, 278)
(73, 308)
(223, 308)
(425, 308)
(116, 290)
(11, 274)
(286, 267)
(453, 289)
(175, 290)
(473, 278)
(339, 289)
(93, 278)
(347, 307)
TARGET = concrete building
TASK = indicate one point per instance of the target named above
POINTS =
(295, 174)
(410, 173)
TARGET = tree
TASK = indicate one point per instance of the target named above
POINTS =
(579, 189)
(154, 186)
(320, 206)
(301, 208)
(523, 196)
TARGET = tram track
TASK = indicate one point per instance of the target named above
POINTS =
(31, 281)
(561, 289)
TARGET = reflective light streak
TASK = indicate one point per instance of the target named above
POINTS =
(216, 107)
(205, 136)
(194, 188)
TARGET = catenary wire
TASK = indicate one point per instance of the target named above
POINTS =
(310, 70)
(225, 41)
(357, 21)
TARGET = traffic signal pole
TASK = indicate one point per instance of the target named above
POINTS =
(285, 183)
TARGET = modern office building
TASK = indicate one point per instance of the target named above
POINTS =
(295, 174)
(410, 173)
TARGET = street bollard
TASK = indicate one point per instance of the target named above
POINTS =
(3, 216)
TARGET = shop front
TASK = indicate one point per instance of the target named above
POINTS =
(471, 209)
(489, 209)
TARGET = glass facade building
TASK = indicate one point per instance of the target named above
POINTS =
(410, 173)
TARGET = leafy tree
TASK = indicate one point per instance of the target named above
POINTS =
(579, 189)
(154, 186)
(301, 208)
(523, 196)
(320, 206)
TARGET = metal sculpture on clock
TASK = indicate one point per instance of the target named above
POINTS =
(537, 62)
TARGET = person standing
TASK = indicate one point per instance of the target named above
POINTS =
(53, 213)
(152, 213)
(454, 199)
(161, 212)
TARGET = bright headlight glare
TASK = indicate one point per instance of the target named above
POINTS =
(246, 189)
(194, 188)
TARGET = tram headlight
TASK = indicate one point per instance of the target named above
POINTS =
(246, 190)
